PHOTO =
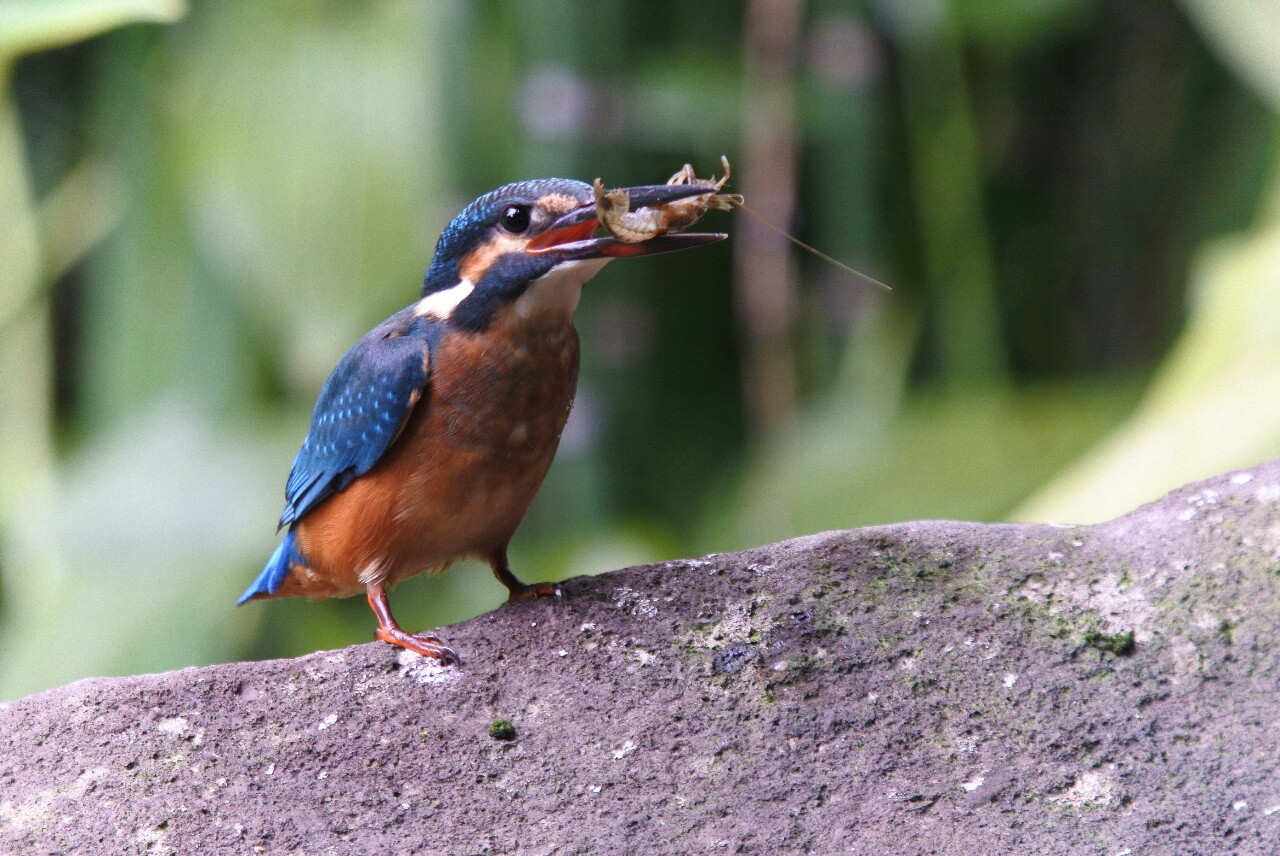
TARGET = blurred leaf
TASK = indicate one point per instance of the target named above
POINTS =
(78, 214)
(284, 202)
(874, 452)
(35, 25)
(29, 555)
(1246, 33)
(1212, 407)
(160, 524)
(970, 455)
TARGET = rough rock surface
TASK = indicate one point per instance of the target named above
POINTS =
(924, 688)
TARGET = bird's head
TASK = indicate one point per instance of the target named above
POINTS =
(529, 246)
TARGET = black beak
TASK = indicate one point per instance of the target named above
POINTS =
(570, 235)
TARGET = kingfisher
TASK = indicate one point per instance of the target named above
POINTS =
(433, 433)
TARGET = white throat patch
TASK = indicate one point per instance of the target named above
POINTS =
(440, 304)
(555, 294)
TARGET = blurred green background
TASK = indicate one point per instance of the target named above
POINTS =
(202, 206)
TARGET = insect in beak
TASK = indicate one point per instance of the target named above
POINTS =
(571, 233)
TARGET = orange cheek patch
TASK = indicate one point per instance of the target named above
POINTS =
(476, 263)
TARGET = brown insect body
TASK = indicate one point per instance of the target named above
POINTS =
(613, 208)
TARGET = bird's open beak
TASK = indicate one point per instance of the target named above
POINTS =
(570, 235)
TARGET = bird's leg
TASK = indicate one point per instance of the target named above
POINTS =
(390, 632)
(519, 589)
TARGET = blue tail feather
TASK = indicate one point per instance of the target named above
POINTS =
(273, 575)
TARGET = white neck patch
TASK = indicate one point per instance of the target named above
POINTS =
(555, 294)
(440, 304)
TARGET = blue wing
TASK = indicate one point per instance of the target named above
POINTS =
(362, 408)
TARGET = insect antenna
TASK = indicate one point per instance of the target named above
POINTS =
(737, 201)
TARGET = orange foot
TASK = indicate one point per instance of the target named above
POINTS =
(421, 643)
(524, 591)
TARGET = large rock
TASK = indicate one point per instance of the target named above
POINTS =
(924, 688)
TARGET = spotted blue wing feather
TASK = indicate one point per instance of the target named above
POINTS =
(362, 408)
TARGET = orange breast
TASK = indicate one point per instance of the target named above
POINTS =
(460, 477)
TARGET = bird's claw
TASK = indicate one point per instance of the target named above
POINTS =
(420, 643)
(532, 590)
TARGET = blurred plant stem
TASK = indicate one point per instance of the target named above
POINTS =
(764, 269)
(944, 149)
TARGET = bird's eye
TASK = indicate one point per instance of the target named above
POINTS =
(515, 218)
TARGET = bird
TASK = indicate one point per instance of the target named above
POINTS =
(434, 431)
